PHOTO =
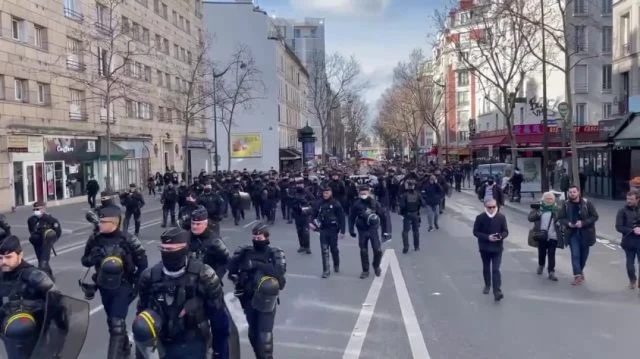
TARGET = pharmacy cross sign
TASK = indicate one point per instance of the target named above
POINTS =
(563, 109)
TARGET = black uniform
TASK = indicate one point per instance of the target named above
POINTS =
(301, 210)
(410, 203)
(184, 214)
(178, 301)
(214, 203)
(367, 215)
(93, 215)
(328, 217)
(118, 259)
(258, 272)
(209, 247)
(44, 231)
(5, 228)
(133, 203)
(169, 200)
(23, 295)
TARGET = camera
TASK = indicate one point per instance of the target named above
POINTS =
(535, 205)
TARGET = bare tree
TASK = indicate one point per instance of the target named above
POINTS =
(389, 138)
(355, 122)
(567, 46)
(193, 97)
(402, 116)
(107, 59)
(238, 88)
(497, 54)
(423, 90)
(331, 80)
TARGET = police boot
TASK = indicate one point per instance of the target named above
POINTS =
(265, 345)
(325, 261)
(377, 258)
(137, 229)
(164, 218)
(335, 255)
(364, 260)
(117, 338)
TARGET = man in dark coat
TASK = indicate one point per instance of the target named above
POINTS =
(490, 228)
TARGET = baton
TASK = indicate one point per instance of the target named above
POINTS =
(53, 249)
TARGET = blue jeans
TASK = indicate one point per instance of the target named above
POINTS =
(579, 253)
(433, 211)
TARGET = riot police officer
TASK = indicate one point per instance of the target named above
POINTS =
(236, 202)
(23, 296)
(409, 204)
(133, 203)
(93, 215)
(118, 259)
(367, 215)
(258, 272)
(177, 297)
(301, 209)
(206, 245)
(184, 214)
(44, 231)
(328, 219)
(169, 199)
(5, 228)
(214, 203)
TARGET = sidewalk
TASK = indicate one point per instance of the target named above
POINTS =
(607, 210)
(71, 216)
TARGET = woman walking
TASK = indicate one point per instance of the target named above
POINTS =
(544, 234)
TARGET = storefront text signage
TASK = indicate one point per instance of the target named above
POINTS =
(64, 149)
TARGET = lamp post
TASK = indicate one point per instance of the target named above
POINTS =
(215, 112)
(545, 121)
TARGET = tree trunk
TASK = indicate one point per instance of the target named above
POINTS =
(323, 142)
(185, 150)
(229, 149)
(438, 145)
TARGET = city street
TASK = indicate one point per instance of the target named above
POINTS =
(434, 294)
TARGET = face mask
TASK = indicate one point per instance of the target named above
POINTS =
(176, 260)
(410, 188)
(260, 245)
(489, 183)
(364, 196)
(207, 190)
(37, 213)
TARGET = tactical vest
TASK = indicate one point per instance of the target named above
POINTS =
(327, 215)
(412, 202)
(168, 298)
(12, 300)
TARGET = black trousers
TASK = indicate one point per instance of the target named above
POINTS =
(491, 262)
(366, 237)
(411, 221)
(632, 254)
(91, 198)
(547, 250)
(136, 218)
(302, 229)
(260, 329)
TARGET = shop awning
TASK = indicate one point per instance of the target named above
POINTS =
(290, 154)
(117, 152)
(488, 141)
(629, 136)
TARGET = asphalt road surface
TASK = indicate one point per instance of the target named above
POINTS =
(427, 304)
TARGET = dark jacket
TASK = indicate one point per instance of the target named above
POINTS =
(535, 217)
(497, 194)
(624, 225)
(484, 226)
(587, 214)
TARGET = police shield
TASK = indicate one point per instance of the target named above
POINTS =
(64, 328)
(234, 337)
(245, 201)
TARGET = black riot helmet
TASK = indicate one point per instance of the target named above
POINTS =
(410, 185)
(174, 249)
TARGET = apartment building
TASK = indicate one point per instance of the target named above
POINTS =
(467, 96)
(267, 128)
(55, 67)
(626, 61)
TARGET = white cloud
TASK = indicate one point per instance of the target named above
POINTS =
(343, 7)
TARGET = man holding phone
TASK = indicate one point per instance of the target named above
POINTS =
(490, 228)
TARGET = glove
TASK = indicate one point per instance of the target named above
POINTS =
(386, 236)
(97, 254)
(352, 234)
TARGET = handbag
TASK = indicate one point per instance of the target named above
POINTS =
(542, 235)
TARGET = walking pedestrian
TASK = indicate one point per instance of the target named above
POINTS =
(490, 228)
(627, 223)
(544, 235)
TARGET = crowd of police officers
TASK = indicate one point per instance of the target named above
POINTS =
(180, 309)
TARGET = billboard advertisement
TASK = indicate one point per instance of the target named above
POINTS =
(246, 145)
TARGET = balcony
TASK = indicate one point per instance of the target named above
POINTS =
(580, 88)
(75, 65)
(102, 28)
(73, 14)
(78, 116)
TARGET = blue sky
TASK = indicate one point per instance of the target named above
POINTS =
(378, 32)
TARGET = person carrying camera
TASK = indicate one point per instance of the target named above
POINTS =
(490, 228)
(628, 224)
(544, 235)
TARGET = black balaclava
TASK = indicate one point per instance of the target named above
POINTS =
(174, 261)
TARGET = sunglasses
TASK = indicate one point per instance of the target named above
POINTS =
(491, 207)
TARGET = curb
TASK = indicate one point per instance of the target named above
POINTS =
(524, 211)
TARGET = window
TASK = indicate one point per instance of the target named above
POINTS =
(72, 10)
(296, 32)
(464, 17)
(164, 11)
(463, 116)
(75, 104)
(161, 113)
(135, 33)
(156, 6)
(166, 46)
(2, 87)
(463, 78)
(103, 62)
(607, 7)
(176, 51)
(74, 58)
(167, 81)
(160, 77)
(580, 80)
(40, 37)
(188, 26)
(462, 98)
(168, 116)
(102, 15)
(606, 109)
(158, 43)
(625, 33)
(607, 38)
(17, 28)
(175, 18)
(313, 32)
(581, 38)
(183, 54)
(43, 93)
(581, 113)
(21, 89)
(606, 78)
(178, 83)
(189, 57)
(463, 56)
(579, 7)
(145, 36)
(181, 22)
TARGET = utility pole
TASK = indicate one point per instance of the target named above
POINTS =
(545, 124)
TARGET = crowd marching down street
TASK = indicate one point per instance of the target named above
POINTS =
(163, 293)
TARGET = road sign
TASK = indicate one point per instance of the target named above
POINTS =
(563, 109)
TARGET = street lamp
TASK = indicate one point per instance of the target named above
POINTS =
(215, 111)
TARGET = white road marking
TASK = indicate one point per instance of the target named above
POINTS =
(235, 309)
(412, 326)
(250, 223)
(607, 243)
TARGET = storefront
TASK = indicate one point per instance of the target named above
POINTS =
(625, 154)
(129, 163)
(199, 157)
(69, 163)
(24, 152)
(290, 159)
